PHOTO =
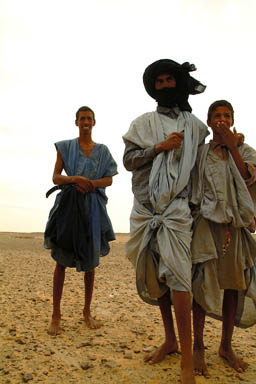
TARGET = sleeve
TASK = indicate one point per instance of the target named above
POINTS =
(252, 171)
(109, 163)
(203, 130)
(248, 154)
(136, 157)
(249, 157)
(197, 175)
(64, 148)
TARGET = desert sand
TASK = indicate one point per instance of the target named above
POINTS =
(111, 354)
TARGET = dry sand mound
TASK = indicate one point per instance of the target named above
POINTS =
(112, 354)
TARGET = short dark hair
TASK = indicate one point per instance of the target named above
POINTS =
(84, 109)
(219, 103)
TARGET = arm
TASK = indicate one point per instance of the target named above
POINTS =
(172, 141)
(82, 183)
(249, 157)
(136, 157)
(231, 139)
(102, 183)
(241, 166)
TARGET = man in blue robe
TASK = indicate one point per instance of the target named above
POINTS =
(89, 166)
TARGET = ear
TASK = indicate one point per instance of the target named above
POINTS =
(76, 123)
(94, 122)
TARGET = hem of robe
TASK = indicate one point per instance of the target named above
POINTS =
(209, 295)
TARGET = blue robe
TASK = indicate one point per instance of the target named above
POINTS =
(97, 165)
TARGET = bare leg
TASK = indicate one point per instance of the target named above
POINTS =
(229, 310)
(182, 308)
(170, 345)
(58, 282)
(198, 323)
(88, 285)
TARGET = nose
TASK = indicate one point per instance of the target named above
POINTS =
(222, 118)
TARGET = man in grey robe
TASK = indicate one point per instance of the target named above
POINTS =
(160, 151)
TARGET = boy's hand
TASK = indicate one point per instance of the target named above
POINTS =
(172, 141)
(228, 138)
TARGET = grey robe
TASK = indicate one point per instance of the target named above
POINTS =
(223, 198)
(170, 222)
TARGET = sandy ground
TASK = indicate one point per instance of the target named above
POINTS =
(112, 354)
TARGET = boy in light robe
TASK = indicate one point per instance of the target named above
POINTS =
(223, 248)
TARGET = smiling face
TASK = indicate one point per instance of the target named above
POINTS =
(165, 80)
(85, 122)
(221, 117)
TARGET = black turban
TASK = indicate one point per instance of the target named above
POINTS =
(185, 84)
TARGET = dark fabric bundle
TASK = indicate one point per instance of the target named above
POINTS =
(68, 227)
(185, 84)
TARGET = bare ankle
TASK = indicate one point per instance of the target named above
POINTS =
(56, 315)
(86, 313)
(198, 345)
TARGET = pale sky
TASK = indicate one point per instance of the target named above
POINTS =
(57, 55)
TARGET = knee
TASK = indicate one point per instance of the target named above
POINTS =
(60, 268)
(88, 275)
(90, 272)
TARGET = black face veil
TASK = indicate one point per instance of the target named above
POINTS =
(185, 84)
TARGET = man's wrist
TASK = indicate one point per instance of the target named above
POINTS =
(159, 148)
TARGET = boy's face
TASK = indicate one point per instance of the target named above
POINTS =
(165, 80)
(221, 118)
(85, 122)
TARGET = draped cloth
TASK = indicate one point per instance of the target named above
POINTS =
(98, 164)
(224, 200)
(170, 221)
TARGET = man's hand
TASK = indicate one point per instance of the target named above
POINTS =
(172, 141)
(252, 226)
(83, 184)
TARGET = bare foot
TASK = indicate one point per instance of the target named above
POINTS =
(235, 362)
(200, 366)
(54, 328)
(161, 352)
(91, 322)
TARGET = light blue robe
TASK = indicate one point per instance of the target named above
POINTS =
(97, 165)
